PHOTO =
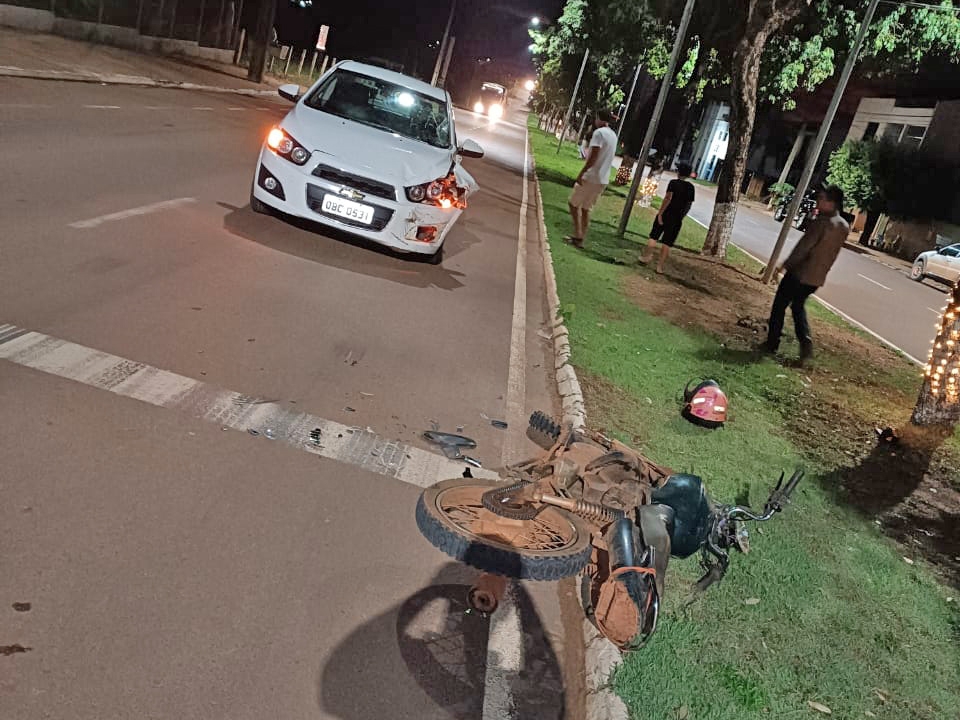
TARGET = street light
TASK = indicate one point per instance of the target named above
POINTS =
(530, 85)
(535, 21)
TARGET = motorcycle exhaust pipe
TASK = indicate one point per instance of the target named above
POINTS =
(621, 545)
(486, 593)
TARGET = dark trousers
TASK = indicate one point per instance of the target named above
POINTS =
(793, 294)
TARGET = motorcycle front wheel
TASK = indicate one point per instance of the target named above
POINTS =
(553, 545)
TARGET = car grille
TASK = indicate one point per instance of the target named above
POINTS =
(364, 185)
(381, 215)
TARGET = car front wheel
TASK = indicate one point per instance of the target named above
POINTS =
(437, 257)
(258, 206)
(917, 271)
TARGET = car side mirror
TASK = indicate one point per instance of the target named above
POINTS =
(470, 149)
(289, 92)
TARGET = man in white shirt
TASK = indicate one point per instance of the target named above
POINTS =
(594, 176)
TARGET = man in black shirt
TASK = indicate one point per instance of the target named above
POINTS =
(676, 204)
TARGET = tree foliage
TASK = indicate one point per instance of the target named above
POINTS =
(899, 180)
(853, 169)
(617, 33)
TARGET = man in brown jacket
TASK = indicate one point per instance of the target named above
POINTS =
(806, 270)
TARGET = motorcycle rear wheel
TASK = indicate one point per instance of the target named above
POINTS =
(553, 545)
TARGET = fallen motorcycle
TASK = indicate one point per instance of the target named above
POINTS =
(589, 505)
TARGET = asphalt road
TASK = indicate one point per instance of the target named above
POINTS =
(882, 299)
(179, 568)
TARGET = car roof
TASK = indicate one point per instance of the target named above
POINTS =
(396, 78)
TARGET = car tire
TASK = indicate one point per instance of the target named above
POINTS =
(437, 257)
(917, 272)
(258, 206)
(779, 214)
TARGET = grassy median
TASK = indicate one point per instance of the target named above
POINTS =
(855, 613)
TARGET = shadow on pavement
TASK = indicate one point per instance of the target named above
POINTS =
(326, 246)
(429, 645)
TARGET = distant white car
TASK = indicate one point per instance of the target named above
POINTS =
(942, 264)
(371, 152)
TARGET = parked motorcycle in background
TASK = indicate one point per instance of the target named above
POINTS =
(589, 505)
(806, 212)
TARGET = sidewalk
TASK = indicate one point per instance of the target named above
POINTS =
(51, 57)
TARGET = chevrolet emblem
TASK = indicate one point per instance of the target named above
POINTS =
(350, 193)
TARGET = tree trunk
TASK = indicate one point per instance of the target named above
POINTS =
(259, 39)
(939, 401)
(764, 18)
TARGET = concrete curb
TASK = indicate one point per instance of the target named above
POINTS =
(114, 79)
(601, 656)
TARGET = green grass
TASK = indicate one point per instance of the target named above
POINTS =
(840, 613)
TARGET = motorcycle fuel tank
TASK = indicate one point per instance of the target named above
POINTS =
(687, 497)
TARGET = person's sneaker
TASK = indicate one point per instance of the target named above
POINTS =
(806, 350)
(571, 240)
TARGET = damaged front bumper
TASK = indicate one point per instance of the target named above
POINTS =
(399, 224)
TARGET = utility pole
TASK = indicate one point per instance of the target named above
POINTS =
(626, 109)
(818, 143)
(655, 120)
(441, 55)
(573, 99)
(442, 80)
(260, 39)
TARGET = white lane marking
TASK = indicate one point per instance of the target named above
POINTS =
(504, 659)
(157, 107)
(102, 107)
(236, 108)
(160, 388)
(132, 212)
(873, 281)
(204, 108)
(935, 312)
(517, 373)
(832, 308)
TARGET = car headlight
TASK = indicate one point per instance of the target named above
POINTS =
(478, 108)
(442, 192)
(285, 146)
(496, 111)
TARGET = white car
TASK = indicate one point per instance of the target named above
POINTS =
(371, 152)
(942, 264)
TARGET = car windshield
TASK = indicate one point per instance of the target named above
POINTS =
(383, 105)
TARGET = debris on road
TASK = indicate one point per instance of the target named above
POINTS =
(442, 438)
(12, 649)
(21, 606)
(315, 435)
(472, 461)
(349, 409)
(499, 424)
(253, 432)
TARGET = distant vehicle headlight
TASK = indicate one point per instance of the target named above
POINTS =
(496, 111)
(478, 108)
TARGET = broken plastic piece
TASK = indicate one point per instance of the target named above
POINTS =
(472, 461)
(500, 424)
(442, 438)
(451, 451)
(315, 435)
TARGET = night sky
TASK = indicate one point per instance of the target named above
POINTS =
(402, 31)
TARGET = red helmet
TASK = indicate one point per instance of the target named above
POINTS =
(705, 405)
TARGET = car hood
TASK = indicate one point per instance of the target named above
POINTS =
(365, 150)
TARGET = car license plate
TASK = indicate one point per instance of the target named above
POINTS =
(348, 209)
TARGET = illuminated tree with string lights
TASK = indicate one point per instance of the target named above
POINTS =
(939, 401)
